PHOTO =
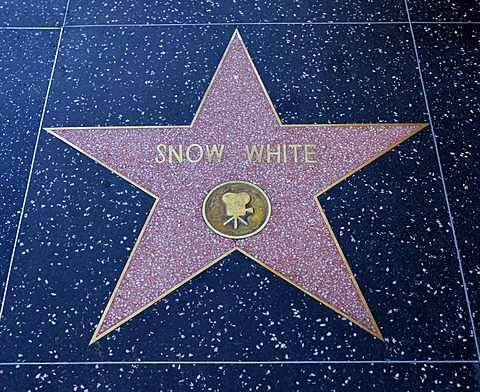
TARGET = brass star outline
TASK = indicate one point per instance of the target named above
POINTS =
(60, 133)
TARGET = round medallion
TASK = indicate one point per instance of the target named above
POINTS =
(236, 209)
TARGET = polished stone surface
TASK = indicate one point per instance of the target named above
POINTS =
(21, 13)
(237, 325)
(26, 58)
(451, 58)
(445, 11)
(83, 12)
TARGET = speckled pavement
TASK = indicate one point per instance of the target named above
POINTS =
(366, 277)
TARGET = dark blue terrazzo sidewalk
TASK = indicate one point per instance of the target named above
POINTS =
(409, 223)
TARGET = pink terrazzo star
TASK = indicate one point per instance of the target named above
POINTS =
(297, 243)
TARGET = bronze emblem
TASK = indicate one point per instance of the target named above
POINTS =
(236, 209)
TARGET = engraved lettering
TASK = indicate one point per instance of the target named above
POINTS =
(295, 148)
(214, 152)
(254, 152)
(200, 153)
(172, 152)
(270, 153)
(308, 153)
(266, 153)
(162, 157)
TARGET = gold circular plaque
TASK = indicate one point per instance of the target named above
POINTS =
(236, 209)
